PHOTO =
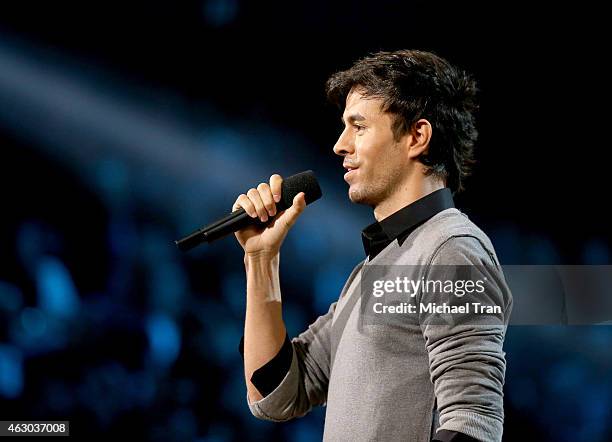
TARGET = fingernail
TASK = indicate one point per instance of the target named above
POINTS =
(276, 197)
(264, 218)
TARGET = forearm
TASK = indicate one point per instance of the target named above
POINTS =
(302, 378)
(264, 329)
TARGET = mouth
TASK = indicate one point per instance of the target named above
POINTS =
(350, 170)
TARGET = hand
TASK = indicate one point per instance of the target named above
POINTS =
(261, 203)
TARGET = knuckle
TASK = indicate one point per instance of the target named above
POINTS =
(262, 186)
(243, 201)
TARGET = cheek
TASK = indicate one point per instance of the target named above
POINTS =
(384, 168)
(374, 154)
(367, 149)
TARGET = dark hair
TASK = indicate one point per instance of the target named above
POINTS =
(417, 84)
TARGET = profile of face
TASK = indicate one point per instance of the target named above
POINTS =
(377, 165)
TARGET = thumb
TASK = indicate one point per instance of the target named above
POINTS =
(293, 212)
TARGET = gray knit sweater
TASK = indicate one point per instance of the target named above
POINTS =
(385, 383)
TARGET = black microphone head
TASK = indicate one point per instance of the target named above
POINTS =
(300, 182)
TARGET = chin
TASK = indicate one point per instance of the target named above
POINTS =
(358, 196)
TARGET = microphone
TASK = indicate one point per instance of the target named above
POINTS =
(300, 182)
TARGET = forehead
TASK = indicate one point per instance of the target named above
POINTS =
(357, 102)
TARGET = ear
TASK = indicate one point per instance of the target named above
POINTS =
(417, 140)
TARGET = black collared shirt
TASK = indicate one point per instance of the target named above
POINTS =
(402, 223)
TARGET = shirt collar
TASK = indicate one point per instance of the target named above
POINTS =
(400, 224)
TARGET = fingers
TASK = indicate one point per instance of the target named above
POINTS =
(261, 202)
(266, 197)
(293, 212)
(299, 201)
(276, 182)
(244, 202)
(255, 198)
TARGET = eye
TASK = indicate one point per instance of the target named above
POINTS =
(358, 128)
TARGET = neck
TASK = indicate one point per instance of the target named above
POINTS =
(406, 194)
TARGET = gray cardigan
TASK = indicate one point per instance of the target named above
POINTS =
(402, 384)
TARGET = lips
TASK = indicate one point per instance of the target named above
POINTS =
(351, 170)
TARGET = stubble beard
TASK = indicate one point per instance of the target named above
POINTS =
(375, 191)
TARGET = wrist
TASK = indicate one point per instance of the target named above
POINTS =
(263, 283)
(261, 257)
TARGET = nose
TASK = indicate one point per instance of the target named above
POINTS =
(344, 145)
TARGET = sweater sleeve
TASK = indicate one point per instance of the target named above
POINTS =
(269, 376)
(466, 359)
(305, 383)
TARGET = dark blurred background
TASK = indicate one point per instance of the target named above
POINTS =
(125, 125)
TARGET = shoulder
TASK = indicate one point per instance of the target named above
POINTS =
(450, 237)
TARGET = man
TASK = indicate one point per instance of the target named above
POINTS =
(407, 145)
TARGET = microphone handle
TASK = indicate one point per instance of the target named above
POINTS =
(233, 222)
(201, 235)
(238, 222)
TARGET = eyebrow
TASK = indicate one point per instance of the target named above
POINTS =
(352, 118)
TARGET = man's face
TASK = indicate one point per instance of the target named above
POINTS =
(375, 162)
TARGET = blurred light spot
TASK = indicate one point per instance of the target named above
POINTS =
(33, 322)
(164, 339)
(56, 292)
(11, 372)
